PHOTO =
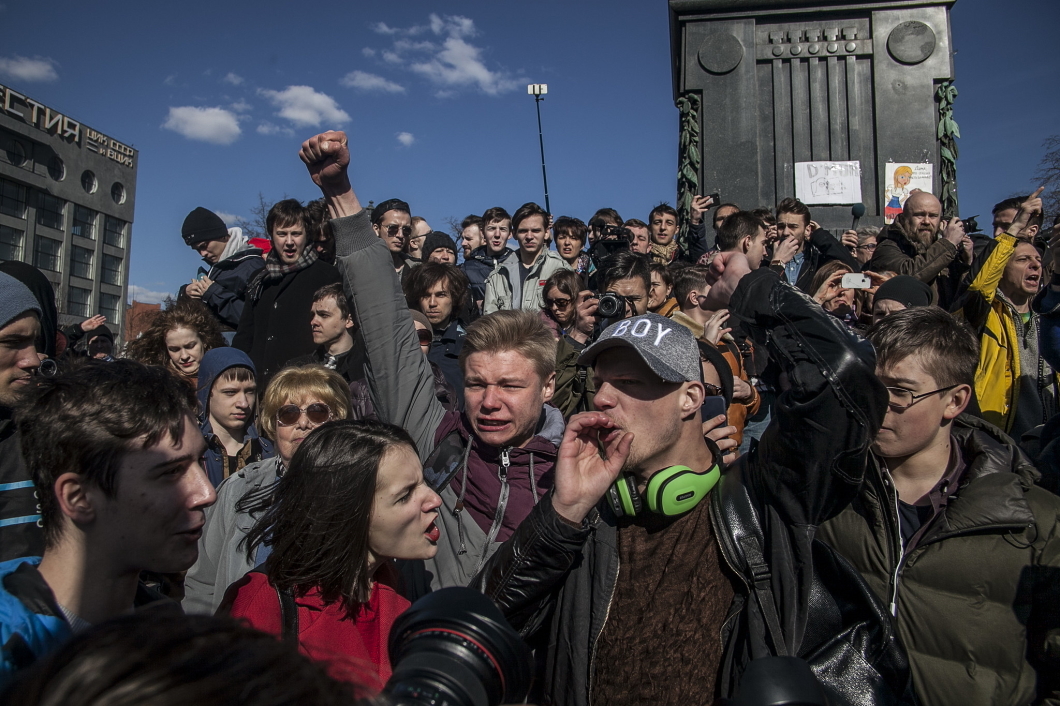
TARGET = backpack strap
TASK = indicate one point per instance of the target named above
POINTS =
(288, 615)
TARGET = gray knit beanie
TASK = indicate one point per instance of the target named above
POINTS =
(15, 300)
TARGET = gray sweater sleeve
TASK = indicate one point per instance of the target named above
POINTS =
(400, 381)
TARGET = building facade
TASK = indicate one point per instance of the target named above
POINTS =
(66, 206)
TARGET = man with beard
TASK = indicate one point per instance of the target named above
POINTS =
(920, 243)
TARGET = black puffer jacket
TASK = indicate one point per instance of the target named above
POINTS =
(800, 598)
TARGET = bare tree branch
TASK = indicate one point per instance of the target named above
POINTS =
(1048, 175)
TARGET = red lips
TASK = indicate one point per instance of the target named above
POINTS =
(433, 533)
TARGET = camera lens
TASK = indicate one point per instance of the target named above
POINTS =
(454, 647)
(48, 368)
(611, 305)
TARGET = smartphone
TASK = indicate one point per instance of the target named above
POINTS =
(201, 273)
(712, 407)
(856, 280)
(715, 199)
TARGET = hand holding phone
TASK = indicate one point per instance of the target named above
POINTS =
(856, 280)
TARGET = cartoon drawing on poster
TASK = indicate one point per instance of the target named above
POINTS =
(902, 180)
(828, 182)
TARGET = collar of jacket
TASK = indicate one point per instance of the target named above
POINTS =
(453, 331)
(481, 255)
(688, 322)
(512, 260)
(990, 495)
(895, 233)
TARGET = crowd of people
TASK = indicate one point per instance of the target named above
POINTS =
(664, 449)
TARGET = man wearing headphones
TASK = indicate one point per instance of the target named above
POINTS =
(657, 574)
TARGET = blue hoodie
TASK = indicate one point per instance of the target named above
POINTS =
(31, 624)
(215, 362)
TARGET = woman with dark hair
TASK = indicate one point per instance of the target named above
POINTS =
(660, 300)
(353, 499)
(177, 339)
(560, 304)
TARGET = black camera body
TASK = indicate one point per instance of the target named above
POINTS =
(970, 224)
(610, 305)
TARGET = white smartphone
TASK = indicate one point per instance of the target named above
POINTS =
(856, 280)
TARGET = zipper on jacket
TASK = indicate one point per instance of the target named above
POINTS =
(502, 506)
(889, 483)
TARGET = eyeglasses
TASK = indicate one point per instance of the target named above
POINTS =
(392, 230)
(559, 303)
(867, 246)
(289, 414)
(424, 336)
(904, 399)
(713, 390)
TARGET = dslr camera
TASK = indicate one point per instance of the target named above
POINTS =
(613, 239)
(610, 305)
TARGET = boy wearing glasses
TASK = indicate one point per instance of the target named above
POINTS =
(392, 221)
(950, 530)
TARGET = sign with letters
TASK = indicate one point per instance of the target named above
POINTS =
(828, 183)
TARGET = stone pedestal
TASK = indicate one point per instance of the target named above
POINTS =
(784, 81)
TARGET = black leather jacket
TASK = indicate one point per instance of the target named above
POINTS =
(799, 597)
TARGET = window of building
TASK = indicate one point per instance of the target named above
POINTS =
(113, 231)
(88, 181)
(46, 253)
(81, 262)
(10, 243)
(50, 210)
(12, 199)
(56, 168)
(110, 306)
(16, 153)
(84, 222)
(117, 192)
(78, 301)
(111, 273)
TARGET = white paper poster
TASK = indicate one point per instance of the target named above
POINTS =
(828, 182)
(900, 180)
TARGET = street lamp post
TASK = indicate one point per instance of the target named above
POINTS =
(538, 91)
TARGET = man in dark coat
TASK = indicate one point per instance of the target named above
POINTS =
(276, 322)
(233, 263)
(20, 326)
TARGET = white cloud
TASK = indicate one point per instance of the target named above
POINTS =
(147, 296)
(170, 80)
(230, 219)
(460, 64)
(306, 107)
(232, 78)
(370, 82)
(215, 125)
(368, 51)
(406, 138)
(451, 63)
(23, 68)
(267, 128)
(241, 106)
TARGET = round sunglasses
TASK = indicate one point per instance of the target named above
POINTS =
(289, 414)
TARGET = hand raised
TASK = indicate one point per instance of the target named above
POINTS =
(1030, 207)
(590, 458)
(93, 323)
(327, 157)
(724, 274)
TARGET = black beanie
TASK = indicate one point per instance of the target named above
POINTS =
(434, 241)
(202, 225)
(905, 290)
(388, 205)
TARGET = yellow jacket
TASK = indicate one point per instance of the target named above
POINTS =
(997, 377)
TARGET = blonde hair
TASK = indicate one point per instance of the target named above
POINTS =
(513, 330)
(292, 385)
(903, 170)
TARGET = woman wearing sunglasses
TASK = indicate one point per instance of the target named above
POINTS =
(353, 500)
(296, 402)
(560, 302)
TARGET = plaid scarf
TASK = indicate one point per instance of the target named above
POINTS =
(274, 270)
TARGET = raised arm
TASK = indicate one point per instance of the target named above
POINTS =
(400, 380)
(812, 457)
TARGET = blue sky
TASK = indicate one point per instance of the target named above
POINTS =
(218, 96)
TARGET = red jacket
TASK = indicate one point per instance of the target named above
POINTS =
(353, 650)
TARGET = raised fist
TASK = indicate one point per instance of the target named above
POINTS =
(327, 158)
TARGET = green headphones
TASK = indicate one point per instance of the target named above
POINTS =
(672, 491)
